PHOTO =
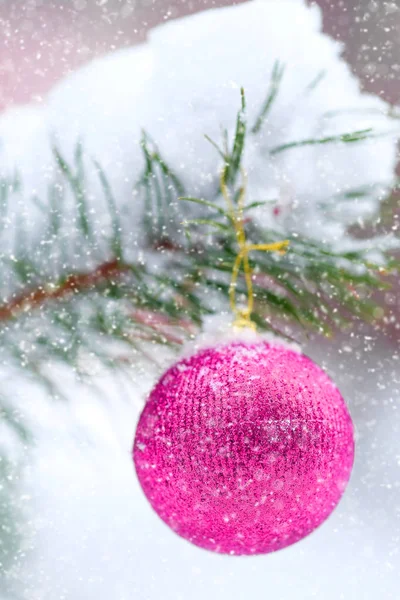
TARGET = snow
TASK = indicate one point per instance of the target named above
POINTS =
(218, 329)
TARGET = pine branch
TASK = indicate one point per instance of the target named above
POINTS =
(276, 78)
(233, 158)
(119, 305)
(346, 138)
(161, 187)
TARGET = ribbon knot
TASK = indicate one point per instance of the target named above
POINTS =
(243, 315)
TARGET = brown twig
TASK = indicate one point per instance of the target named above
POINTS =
(35, 298)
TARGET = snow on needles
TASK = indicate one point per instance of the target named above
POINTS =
(184, 83)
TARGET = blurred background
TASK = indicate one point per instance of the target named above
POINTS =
(120, 551)
(43, 40)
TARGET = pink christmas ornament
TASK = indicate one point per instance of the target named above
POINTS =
(244, 448)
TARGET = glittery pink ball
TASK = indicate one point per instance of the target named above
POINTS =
(244, 448)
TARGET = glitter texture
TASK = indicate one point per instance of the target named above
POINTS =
(244, 448)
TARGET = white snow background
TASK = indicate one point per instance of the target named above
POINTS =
(90, 532)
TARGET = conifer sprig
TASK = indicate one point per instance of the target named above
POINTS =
(116, 309)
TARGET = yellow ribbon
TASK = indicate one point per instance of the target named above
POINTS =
(243, 315)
